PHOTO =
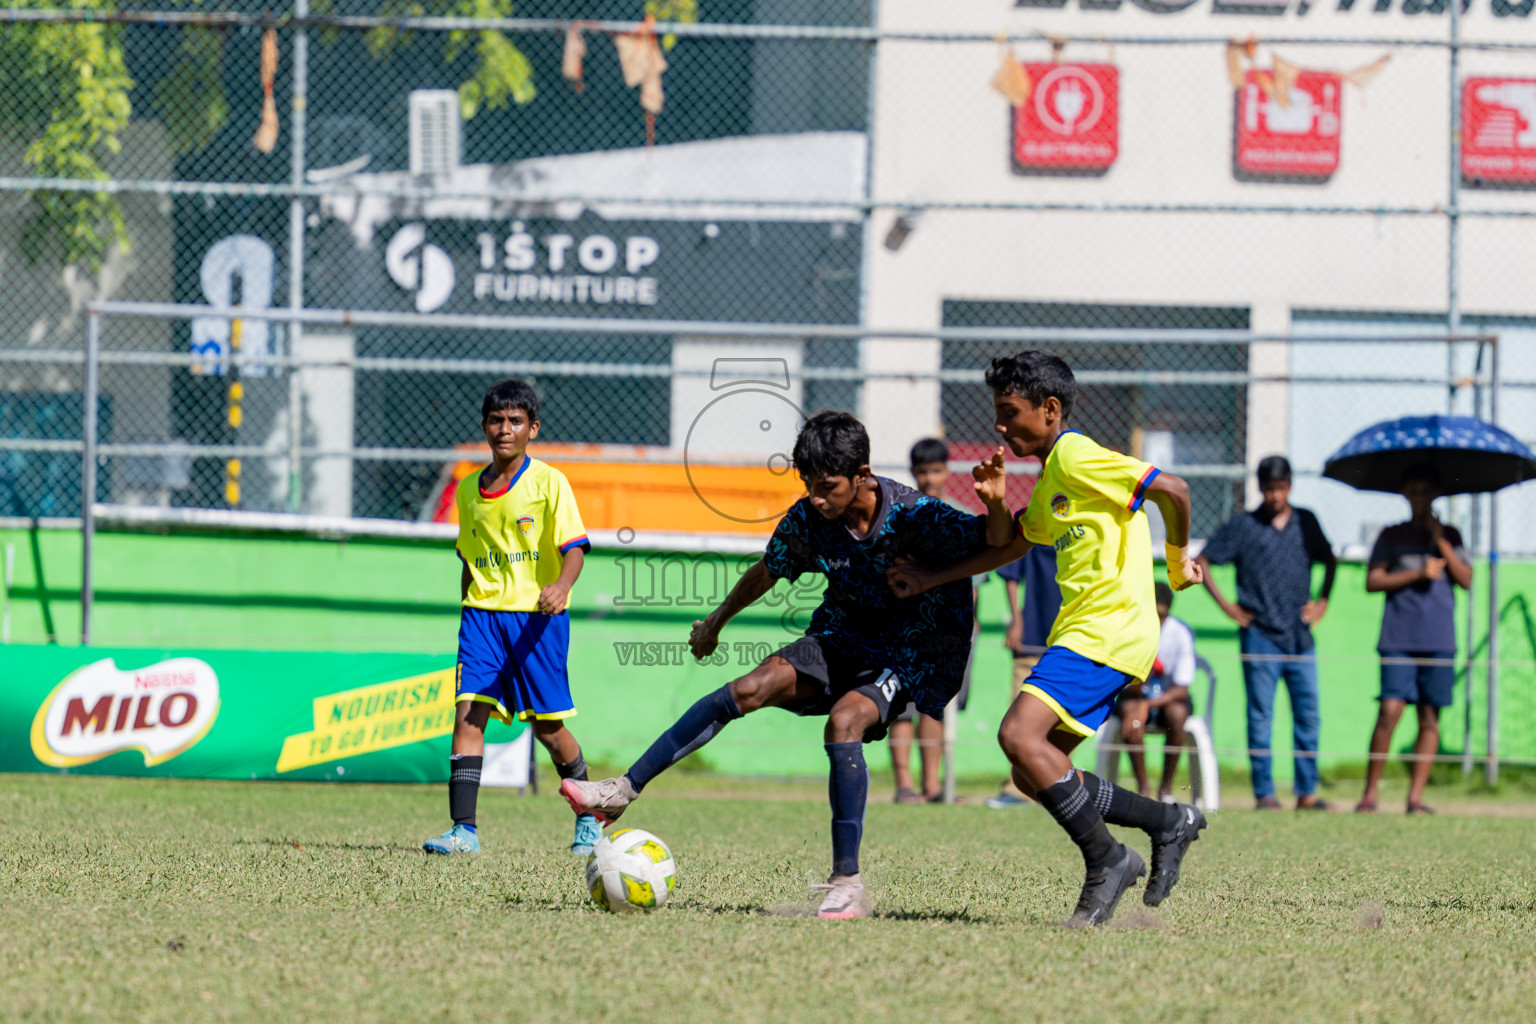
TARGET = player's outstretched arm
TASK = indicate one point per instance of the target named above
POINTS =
(754, 583)
(908, 579)
(1171, 496)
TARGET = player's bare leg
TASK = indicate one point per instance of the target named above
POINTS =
(1043, 768)
(464, 763)
(774, 683)
(569, 763)
(1174, 717)
(850, 720)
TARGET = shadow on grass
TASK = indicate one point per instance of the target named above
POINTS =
(350, 847)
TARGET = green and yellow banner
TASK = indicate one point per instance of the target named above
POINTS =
(229, 714)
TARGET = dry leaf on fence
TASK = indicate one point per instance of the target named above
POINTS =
(1364, 76)
(266, 133)
(571, 59)
(1235, 73)
(1012, 80)
(1285, 76)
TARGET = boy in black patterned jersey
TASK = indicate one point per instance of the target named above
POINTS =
(865, 656)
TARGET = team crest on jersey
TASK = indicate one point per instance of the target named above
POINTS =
(1059, 505)
(525, 523)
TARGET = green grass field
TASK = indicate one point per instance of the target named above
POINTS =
(133, 900)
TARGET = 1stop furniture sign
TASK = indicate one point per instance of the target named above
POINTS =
(1498, 130)
(1299, 139)
(1071, 121)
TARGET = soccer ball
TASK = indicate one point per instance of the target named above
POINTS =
(630, 870)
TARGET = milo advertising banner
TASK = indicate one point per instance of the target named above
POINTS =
(230, 714)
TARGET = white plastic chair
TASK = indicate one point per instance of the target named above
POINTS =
(1204, 780)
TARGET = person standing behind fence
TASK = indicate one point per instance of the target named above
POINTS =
(1274, 547)
(1029, 628)
(1416, 564)
(930, 471)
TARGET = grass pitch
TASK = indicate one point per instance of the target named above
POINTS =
(130, 900)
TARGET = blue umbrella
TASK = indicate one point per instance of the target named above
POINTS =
(1468, 455)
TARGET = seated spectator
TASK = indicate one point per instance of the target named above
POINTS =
(1163, 700)
(1415, 564)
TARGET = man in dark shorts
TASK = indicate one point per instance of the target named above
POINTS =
(1415, 564)
(866, 655)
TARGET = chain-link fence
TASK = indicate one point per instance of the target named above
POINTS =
(801, 171)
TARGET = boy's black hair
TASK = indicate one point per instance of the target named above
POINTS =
(831, 444)
(1424, 473)
(1274, 469)
(510, 393)
(1164, 593)
(1034, 375)
(929, 450)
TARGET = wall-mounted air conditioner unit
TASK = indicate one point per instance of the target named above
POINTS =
(435, 131)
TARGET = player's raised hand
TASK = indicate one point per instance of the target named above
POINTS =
(991, 478)
(704, 638)
(554, 598)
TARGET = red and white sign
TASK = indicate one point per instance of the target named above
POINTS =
(1071, 121)
(1297, 140)
(1498, 129)
(159, 710)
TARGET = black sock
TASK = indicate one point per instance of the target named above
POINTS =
(848, 791)
(576, 769)
(697, 727)
(463, 787)
(1072, 806)
(1120, 806)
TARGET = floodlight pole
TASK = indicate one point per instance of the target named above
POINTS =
(88, 429)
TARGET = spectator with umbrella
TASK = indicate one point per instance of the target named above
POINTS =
(1417, 563)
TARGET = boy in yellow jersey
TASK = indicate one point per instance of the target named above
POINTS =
(522, 545)
(1087, 505)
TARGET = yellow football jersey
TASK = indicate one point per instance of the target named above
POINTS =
(1087, 505)
(515, 541)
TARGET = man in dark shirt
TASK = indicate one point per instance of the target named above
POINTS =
(1415, 564)
(1274, 547)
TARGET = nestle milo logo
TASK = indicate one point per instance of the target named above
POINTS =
(160, 710)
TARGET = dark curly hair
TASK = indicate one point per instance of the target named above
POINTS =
(1034, 375)
(831, 444)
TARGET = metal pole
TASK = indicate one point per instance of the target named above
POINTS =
(1471, 596)
(1453, 325)
(88, 428)
(298, 128)
(1491, 769)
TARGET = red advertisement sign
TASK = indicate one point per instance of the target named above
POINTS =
(1071, 121)
(1498, 130)
(1297, 140)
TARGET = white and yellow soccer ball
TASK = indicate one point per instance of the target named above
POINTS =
(630, 870)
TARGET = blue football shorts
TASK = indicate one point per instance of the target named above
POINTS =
(1080, 691)
(516, 662)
